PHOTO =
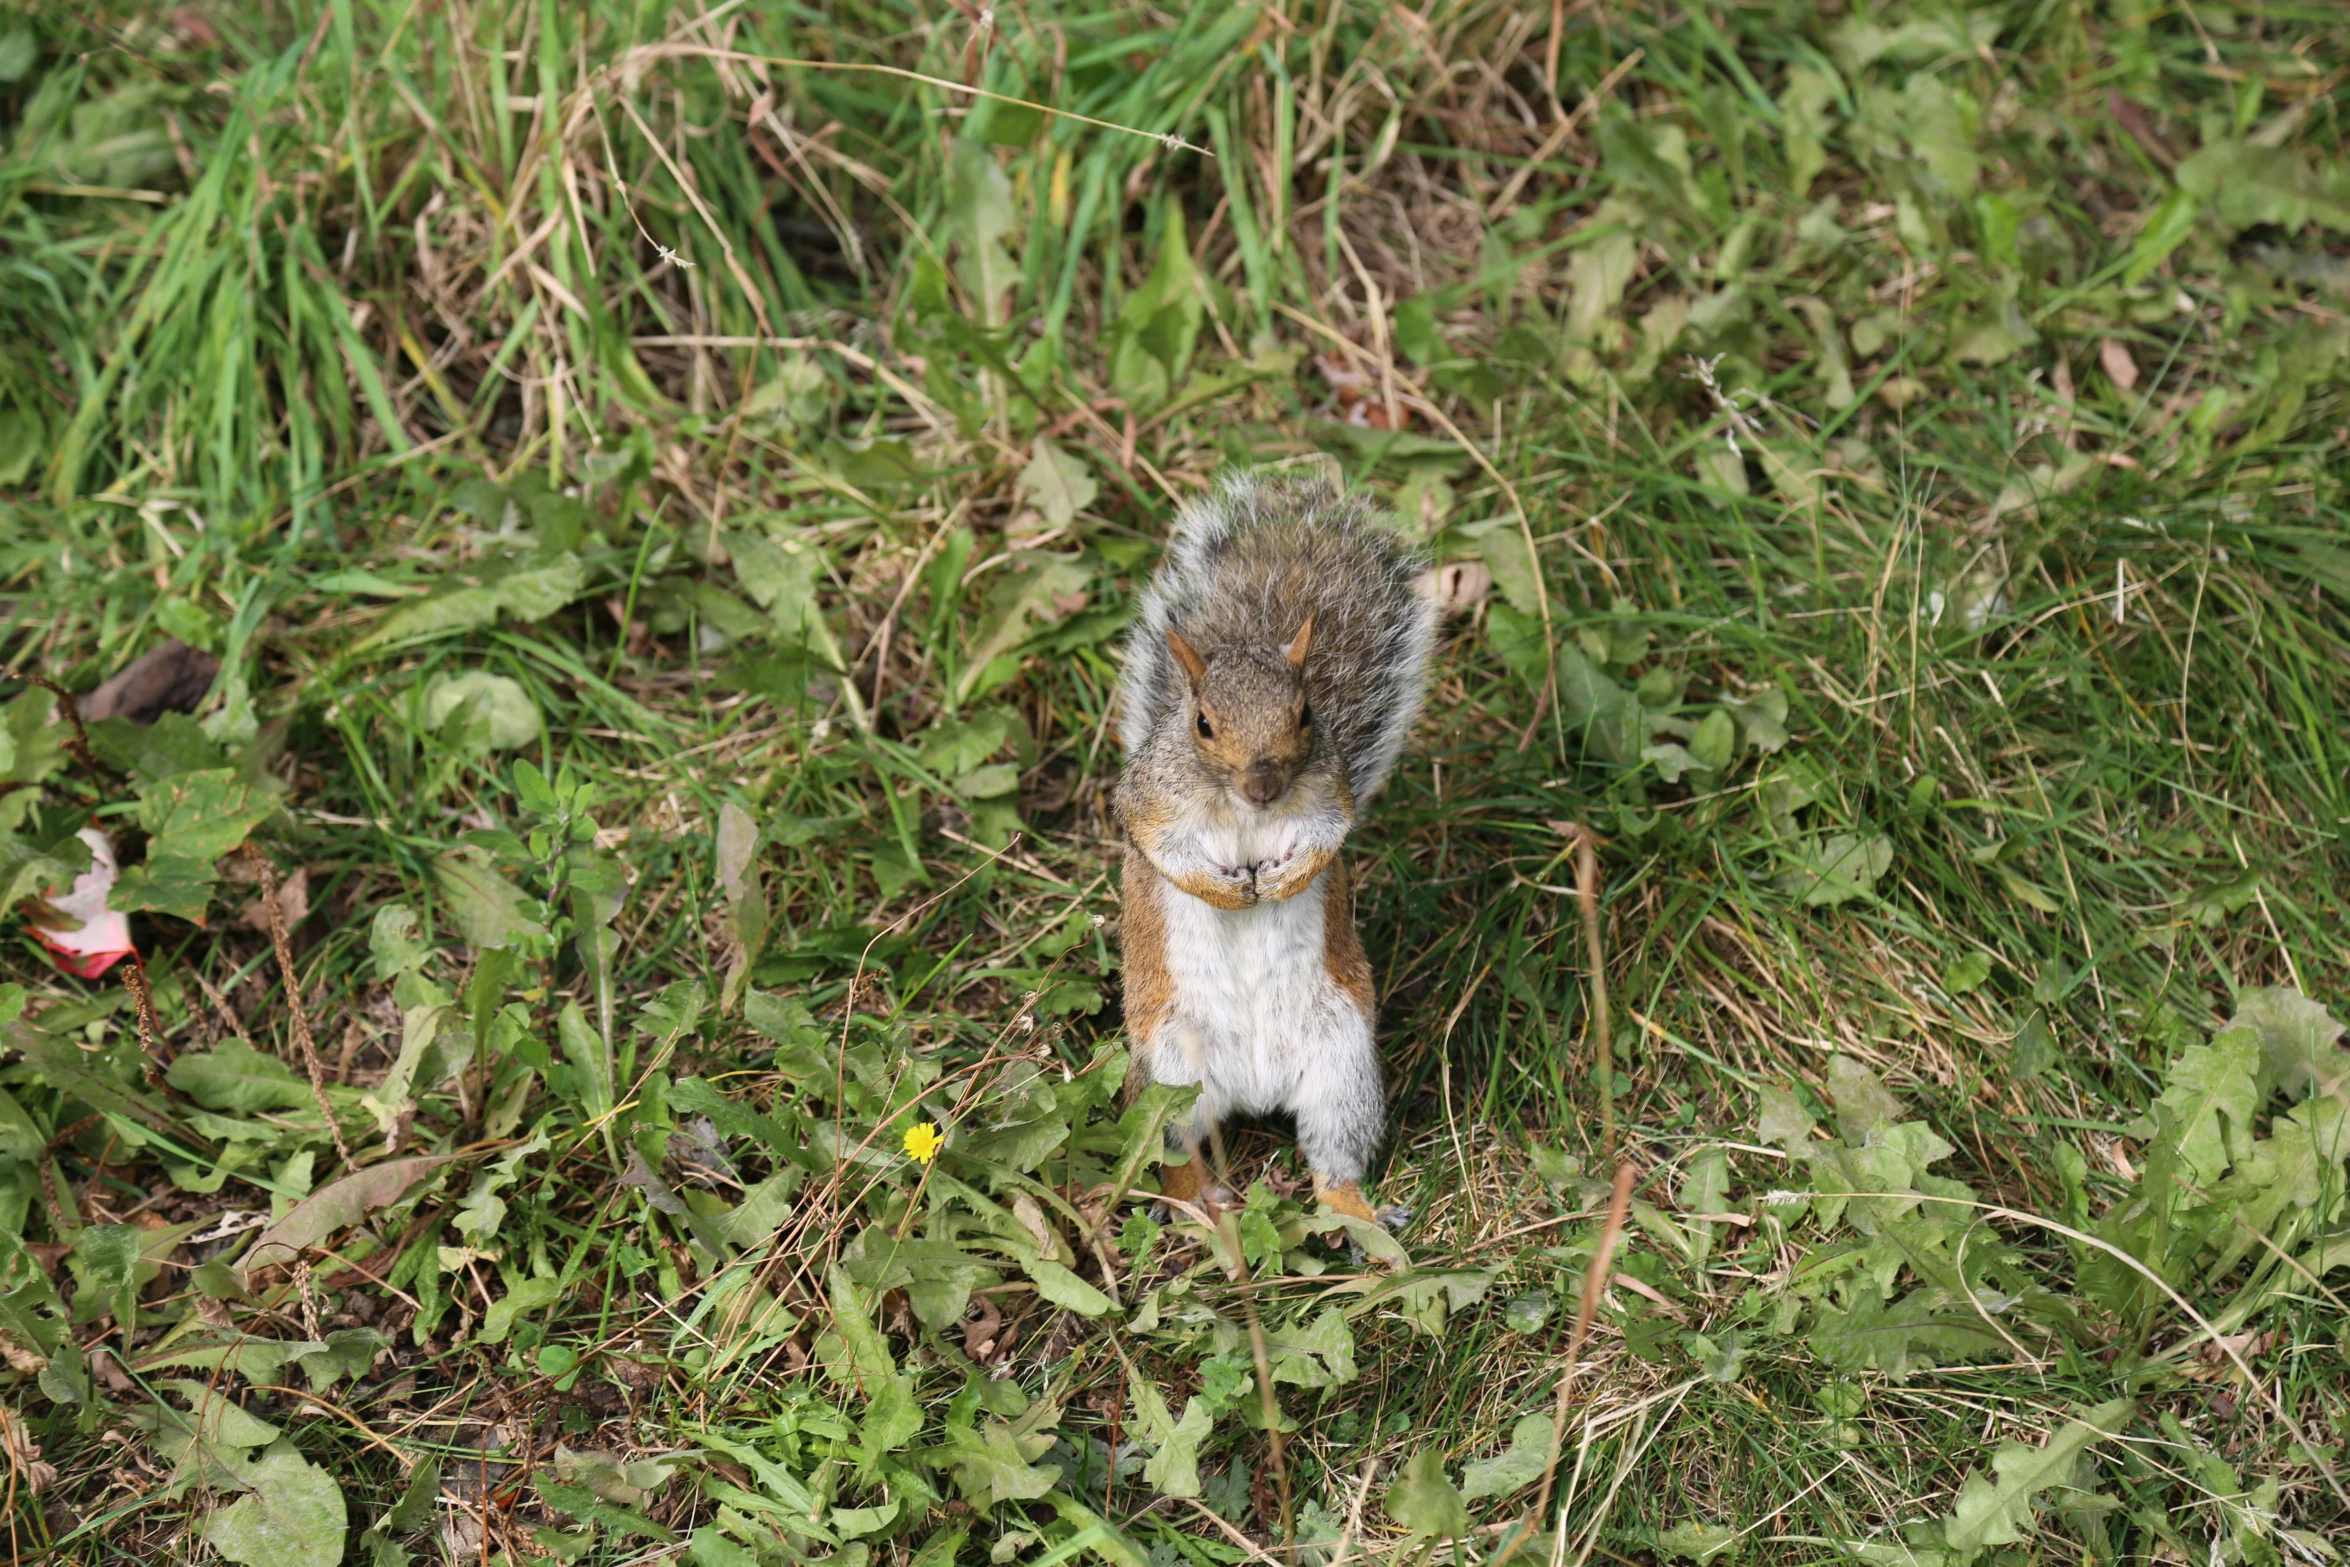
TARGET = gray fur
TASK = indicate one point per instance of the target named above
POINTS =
(1246, 564)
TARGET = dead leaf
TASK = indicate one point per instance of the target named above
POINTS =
(1378, 415)
(979, 1333)
(463, 1538)
(24, 1453)
(484, 1472)
(337, 1206)
(631, 1373)
(1345, 381)
(2060, 381)
(1026, 528)
(109, 1371)
(193, 29)
(1648, 1293)
(1457, 586)
(1900, 391)
(2133, 119)
(738, 846)
(293, 904)
(2251, 1345)
(2119, 367)
(1032, 1219)
(171, 679)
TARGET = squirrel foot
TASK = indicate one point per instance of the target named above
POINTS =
(1346, 1198)
(1188, 1183)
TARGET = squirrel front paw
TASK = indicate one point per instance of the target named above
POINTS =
(1292, 873)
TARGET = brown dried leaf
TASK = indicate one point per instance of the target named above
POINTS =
(171, 679)
(979, 1332)
(293, 903)
(1457, 586)
(632, 1373)
(2119, 367)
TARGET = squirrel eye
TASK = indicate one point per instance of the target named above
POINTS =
(1305, 718)
(1205, 733)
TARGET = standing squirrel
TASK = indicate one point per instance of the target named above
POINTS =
(1278, 661)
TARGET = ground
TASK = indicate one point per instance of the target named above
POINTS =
(625, 1059)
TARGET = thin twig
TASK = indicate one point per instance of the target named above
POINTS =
(1354, 1516)
(400, 1456)
(1228, 1231)
(1255, 1551)
(1541, 706)
(1619, 1203)
(1166, 139)
(1595, 952)
(276, 917)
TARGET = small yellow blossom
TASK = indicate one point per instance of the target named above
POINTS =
(923, 1141)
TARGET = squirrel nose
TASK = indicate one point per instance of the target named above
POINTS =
(1262, 783)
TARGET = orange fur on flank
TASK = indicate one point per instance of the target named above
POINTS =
(1142, 940)
(1342, 944)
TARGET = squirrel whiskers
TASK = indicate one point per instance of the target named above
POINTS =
(1275, 671)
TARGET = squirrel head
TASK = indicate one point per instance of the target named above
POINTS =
(1249, 718)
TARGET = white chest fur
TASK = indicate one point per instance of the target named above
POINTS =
(1256, 1009)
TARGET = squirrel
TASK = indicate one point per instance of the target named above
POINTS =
(1278, 661)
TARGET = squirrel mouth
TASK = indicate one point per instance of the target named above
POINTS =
(1263, 784)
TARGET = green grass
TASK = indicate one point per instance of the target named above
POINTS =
(1926, 425)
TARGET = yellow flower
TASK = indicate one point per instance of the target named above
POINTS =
(923, 1141)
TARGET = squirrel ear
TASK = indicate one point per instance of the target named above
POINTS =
(1193, 666)
(1299, 643)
